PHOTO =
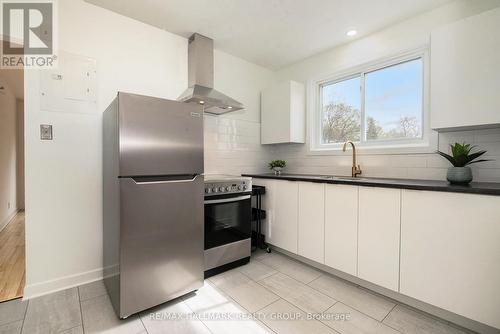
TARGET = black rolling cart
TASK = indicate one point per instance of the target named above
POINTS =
(258, 239)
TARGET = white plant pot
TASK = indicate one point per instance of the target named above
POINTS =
(277, 170)
(459, 175)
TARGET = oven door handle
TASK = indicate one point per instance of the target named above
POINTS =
(227, 200)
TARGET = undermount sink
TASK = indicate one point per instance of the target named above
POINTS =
(329, 177)
(326, 177)
(351, 178)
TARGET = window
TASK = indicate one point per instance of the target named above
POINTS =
(380, 106)
(393, 102)
(341, 111)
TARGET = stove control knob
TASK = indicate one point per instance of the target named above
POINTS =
(207, 190)
(227, 188)
(240, 187)
(214, 189)
(221, 189)
(245, 187)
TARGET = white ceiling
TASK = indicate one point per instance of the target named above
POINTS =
(271, 33)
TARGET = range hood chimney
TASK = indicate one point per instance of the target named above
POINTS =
(201, 78)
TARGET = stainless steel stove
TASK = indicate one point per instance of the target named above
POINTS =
(226, 184)
(228, 228)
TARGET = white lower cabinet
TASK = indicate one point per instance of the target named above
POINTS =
(311, 233)
(437, 247)
(379, 236)
(450, 252)
(341, 227)
(281, 205)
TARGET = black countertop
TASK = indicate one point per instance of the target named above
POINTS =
(473, 188)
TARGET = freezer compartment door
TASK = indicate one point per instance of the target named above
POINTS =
(159, 137)
(161, 252)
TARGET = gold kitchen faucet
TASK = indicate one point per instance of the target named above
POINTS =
(356, 169)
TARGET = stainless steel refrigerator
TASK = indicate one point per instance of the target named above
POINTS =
(153, 221)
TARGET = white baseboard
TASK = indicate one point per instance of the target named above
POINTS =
(63, 283)
(7, 220)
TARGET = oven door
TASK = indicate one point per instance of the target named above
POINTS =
(227, 219)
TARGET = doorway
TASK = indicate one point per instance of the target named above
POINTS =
(12, 217)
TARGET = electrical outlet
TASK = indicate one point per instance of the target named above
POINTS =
(45, 132)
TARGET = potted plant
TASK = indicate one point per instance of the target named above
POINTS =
(277, 166)
(461, 157)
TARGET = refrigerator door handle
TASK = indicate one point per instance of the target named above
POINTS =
(165, 181)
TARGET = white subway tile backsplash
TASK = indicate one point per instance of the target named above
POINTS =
(413, 166)
(492, 148)
(368, 160)
(457, 136)
(408, 161)
(494, 162)
(437, 161)
(487, 137)
(427, 173)
(386, 172)
(487, 175)
(232, 146)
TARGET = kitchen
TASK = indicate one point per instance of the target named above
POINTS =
(130, 54)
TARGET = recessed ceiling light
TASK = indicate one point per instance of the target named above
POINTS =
(351, 33)
(202, 102)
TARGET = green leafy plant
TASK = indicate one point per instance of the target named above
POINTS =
(277, 163)
(461, 155)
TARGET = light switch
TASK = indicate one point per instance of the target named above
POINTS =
(45, 132)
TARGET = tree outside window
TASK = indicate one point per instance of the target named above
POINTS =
(388, 102)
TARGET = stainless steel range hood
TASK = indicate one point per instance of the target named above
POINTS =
(201, 78)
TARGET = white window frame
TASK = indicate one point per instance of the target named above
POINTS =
(427, 144)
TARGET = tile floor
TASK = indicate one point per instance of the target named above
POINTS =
(272, 294)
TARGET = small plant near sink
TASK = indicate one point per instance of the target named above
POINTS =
(277, 166)
(461, 157)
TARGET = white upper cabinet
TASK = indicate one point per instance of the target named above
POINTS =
(379, 235)
(450, 252)
(341, 227)
(465, 73)
(283, 113)
(311, 221)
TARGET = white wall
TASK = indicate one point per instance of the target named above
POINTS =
(404, 36)
(63, 176)
(20, 153)
(8, 153)
(232, 141)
